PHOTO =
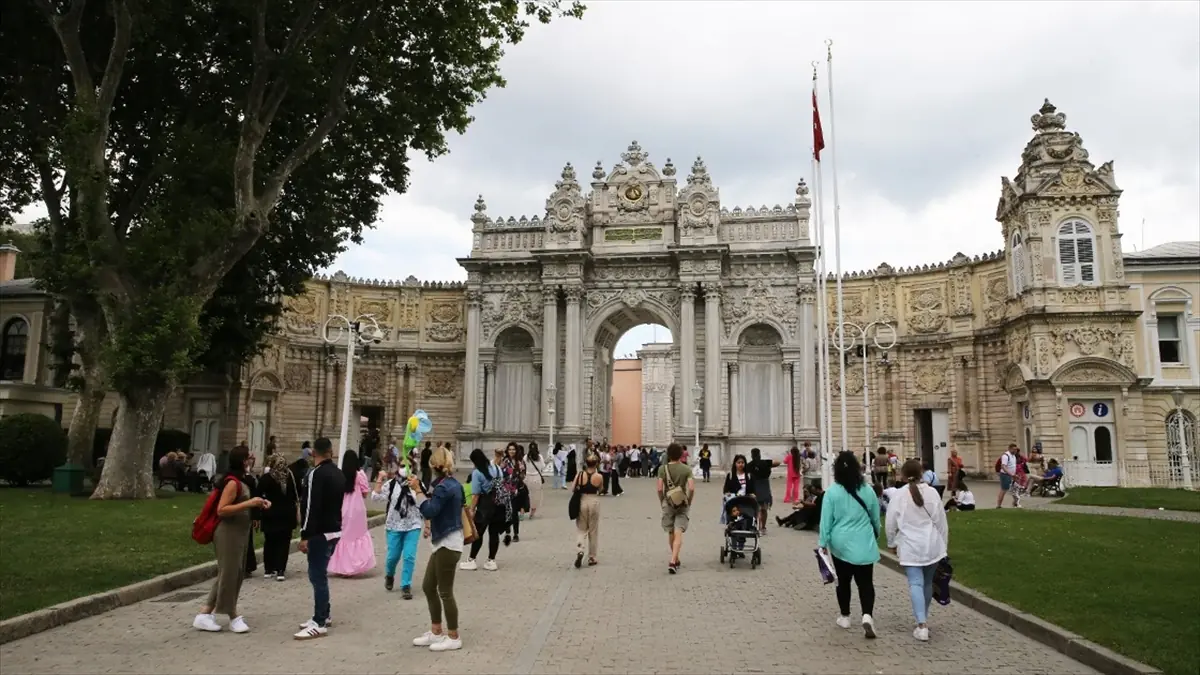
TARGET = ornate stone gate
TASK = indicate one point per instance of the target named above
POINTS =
(549, 296)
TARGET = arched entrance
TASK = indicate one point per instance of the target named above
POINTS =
(606, 326)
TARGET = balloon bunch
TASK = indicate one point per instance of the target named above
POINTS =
(418, 425)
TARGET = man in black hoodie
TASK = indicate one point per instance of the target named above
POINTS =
(321, 527)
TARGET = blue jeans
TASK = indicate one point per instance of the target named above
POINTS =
(320, 550)
(920, 589)
(560, 480)
(402, 544)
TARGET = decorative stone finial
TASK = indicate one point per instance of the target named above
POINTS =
(568, 173)
(1047, 119)
(699, 173)
(634, 156)
(802, 188)
(598, 172)
(480, 215)
(668, 168)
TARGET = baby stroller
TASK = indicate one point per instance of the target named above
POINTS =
(741, 533)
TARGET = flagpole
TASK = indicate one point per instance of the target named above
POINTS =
(826, 421)
(837, 244)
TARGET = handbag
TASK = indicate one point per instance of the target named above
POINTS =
(825, 567)
(874, 527)
(468, 529)
(675, 495)
(576, 497)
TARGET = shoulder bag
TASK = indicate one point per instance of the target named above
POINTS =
(576, 497)
(874, 527)
(675, 495)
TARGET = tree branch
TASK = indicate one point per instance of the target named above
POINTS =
(66, 27)
(134, 205)
(51, 195)
(252, 131)
(118, 54)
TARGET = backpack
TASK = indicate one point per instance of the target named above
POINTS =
(205, 524)
(999, 463)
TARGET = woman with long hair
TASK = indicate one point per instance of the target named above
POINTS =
(588, 484)
(705, 462)
(442, 508)
(355, 552)
(534, 479)
(230, 540)
(918, 534)
(760, 471)
(512, 465)
(737, 483)
(278, 487)
(849, 534)
(795, 468)
(485, 481)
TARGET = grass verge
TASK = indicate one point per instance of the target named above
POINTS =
(1134, 498)
(1129, 584)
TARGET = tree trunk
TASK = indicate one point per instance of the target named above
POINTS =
(127, 467)
(90, 330)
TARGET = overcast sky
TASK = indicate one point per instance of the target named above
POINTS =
(933, 106)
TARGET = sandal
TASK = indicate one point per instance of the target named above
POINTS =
(592, 562)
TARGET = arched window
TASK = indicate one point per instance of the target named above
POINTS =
(1018, 263)
(14, 344)
(1076, 253)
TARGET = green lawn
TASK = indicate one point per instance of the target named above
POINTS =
(1129, 584)
(1134, 498)
(57, 548)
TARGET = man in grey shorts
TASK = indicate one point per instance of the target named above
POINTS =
(675, 479)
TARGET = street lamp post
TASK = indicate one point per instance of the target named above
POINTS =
(364, 329)
(697, 393)
(551, 392)
(1185, 464)
(865, 336)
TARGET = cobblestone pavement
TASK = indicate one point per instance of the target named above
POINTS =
(539, 615)
(1152, 514)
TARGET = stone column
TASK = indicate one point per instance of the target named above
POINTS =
(489, 407)
(808, 388)
(470, 414)
(574, 367)
(712, 357)
(899, 425)
(735, 400)
(960, 394)
(687, 355)
(788, 419)
(976, 413)
(549, 350)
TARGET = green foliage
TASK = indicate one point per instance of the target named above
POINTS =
(31, 446)
(27, 243)
(189, 267)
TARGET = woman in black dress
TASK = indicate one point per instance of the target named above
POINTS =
(706, 462)
(760, 472)
(278, 522)
(571, 466)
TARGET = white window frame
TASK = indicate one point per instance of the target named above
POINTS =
(1018, 264)
(1076, 251)
(1175, 319)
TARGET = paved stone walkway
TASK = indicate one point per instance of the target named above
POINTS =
(539, 615)
(1151, 514)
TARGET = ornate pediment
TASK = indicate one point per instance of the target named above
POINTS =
(1092, 371)
(700, 203)
(566, 211)
(634, 192)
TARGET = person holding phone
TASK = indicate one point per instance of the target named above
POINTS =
(230, 540)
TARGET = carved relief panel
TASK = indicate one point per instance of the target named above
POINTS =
(301, 315)
(926, 309)
(444, 322)
(760, 301)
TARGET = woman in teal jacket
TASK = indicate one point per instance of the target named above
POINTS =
(849, 534)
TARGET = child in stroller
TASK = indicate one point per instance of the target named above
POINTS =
(741, 534)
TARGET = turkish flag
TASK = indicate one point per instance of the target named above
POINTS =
(818, 136)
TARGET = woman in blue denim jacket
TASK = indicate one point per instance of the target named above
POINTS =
(443, 509)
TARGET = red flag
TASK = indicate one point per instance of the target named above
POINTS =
(818, 137)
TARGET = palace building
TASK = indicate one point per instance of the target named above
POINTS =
(1059, 339)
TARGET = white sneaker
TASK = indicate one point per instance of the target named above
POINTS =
(469, 565)
(279, 577)
(206, 622)
(428, 639)
(238, 625)
(921, 634)
(868, 625)
(446, 644)
(490, 566)
(311, 631)
(843, 622)
(310, 622)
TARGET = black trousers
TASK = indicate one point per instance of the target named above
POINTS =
(514, 524)
(251, 558)
(616, 483)
(863, 577)
(276, 546)
(493, 529)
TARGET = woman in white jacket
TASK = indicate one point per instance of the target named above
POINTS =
(918, 534)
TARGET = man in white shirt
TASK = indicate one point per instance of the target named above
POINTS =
(1008, 473)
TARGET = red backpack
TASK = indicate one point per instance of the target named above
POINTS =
(206, 523)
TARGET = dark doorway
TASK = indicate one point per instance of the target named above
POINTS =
(924, 422)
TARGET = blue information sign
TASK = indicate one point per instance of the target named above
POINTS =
(1100, 410)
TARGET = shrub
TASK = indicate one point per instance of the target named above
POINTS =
(31, 446)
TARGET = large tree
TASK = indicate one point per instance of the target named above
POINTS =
(195, 136)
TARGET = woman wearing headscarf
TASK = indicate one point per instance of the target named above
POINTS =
(278, 523)
(534, 479)
(355, 552)
(571, 467)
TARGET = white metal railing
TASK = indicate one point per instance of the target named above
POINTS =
(1158, 472)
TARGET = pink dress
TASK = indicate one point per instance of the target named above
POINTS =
(355, 553)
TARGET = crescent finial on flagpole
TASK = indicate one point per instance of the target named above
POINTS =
(814, 65)
(829, 49)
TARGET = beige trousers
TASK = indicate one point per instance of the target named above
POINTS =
(588, 524)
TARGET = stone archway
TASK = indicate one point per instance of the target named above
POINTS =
(606, 324)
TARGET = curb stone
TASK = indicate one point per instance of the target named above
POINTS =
(1055, 637)
(81, 608)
